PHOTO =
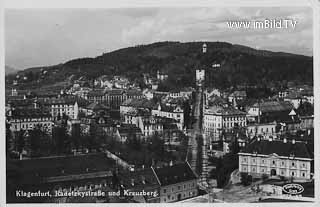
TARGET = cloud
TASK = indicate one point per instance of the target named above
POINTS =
(47, 36)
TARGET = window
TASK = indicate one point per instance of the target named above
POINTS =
(273, 162)
(253, 160)
(292, 173)
(303, 174)
(292, 164)
(164, 190)
(282, 163)
(262, 161)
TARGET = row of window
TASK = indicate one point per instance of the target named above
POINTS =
(282, 172)
(273, 162)
(190, 185)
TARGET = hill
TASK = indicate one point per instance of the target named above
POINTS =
(10, 70)
(240, 65)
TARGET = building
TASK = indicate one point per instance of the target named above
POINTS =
(150, 125)
(162, 76)
(28, 119)
(217, 119)
(295, 99)
(276, 158)
(237, 96)
(269, 111)
(200, 77)
(264, 130)
(136, 104)
(63, 173)
(177, 182)
(69, 106)
(141, 181)
(171, 112)
(307, 122)
(125, 132)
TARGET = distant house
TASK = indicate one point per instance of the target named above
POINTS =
(295, 98)
(269, 111)
(127, 131)
(28, 119)
(276, 158)
(264, 130)
(162, 76)
(237, 96)
(65, 174)
(177, 182)
(137, 182)
(176, 113)
(217, 119)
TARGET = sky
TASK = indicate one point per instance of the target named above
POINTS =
(40, 37)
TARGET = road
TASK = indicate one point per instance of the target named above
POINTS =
(197, 145)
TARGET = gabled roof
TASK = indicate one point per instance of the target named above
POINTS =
(239, 94)
(38, 168)
(266, 147)
(96, 106)
(174, 174)
(274, 106)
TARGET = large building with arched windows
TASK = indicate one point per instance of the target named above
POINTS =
(276, 158)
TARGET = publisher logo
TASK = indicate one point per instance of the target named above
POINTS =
(293, 189)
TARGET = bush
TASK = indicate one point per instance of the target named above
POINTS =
(265, 177)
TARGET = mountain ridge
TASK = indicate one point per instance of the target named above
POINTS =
(239, 64)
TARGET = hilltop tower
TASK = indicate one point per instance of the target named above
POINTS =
(204, 48)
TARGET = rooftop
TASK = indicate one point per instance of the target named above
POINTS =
(279, 147)
(175, 174)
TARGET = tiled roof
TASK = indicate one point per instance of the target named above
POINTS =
(129, 128)
(30, 113)
(238, 93)
(96, 106)
(174, 174)
(140, 179)
(96, 93)
(266, 147)
(227, 111)
(139, 103)
(36, 169)
(274, 106)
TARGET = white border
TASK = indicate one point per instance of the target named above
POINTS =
(22, 4)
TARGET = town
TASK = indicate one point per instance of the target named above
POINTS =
(146, 145)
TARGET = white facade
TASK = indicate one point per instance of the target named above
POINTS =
(18, 124)
(275, 165)
(71, 110)
(214, 123)
(264, 130)
(176, 114)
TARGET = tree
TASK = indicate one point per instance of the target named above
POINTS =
(246, 179)
(20, 141)
(35, 140)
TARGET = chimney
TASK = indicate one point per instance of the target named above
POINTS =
(285, 140)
